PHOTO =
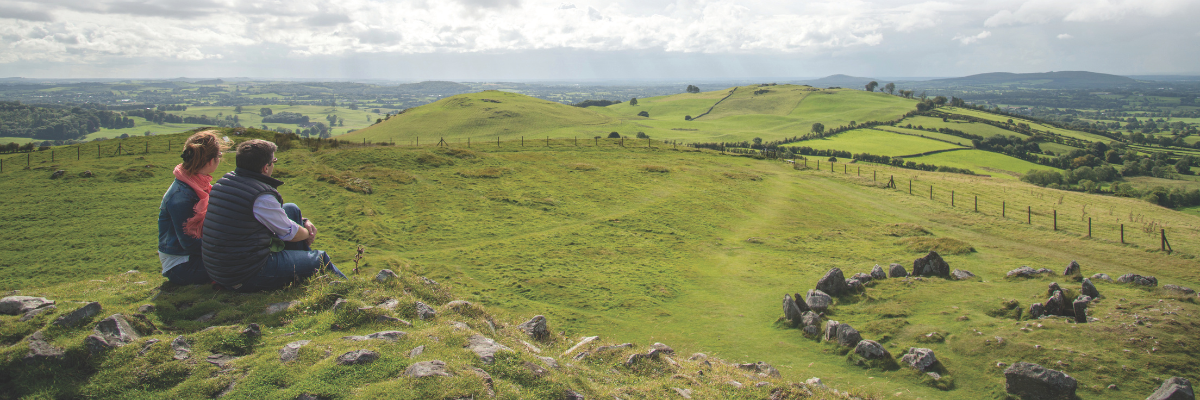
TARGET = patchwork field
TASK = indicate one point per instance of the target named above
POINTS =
(983, 162)
(876, 142)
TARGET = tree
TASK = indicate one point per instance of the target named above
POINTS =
(1184, 165)
(687, 117)
(890, 88)
(939, 100)
(693, 89)
(644, 114)
(642, 135)
(264, 112)
(872, 85)
(633, 101)
(758, 141)
(237, 109)
(614, 135)
(818, 128)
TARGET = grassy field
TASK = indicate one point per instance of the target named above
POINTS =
(1056, 148)
(1033, 124)
(932, 135)
(982, 162)
(973, 128)
(689, 248)
(876, 142)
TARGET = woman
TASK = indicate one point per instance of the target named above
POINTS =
(181, 214)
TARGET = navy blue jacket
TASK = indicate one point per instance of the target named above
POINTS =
(176, 208)
(236, 245)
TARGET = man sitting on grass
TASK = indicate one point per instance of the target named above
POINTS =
(253, 242)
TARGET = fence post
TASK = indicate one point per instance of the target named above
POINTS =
(873, 173)
(859, 170)
(976, 203)
(51, 155)
(845, 168)
(522, 141)
(1029, 215)
(1163, 243)
(647, 142)
(1003, 208)
(818, 164)
(497, 141)
(1089, 226)
(79, 152)
(1056, 220)
(27, 158)
(951, 198)
(910, 187)
(547, 141)
(1122, 233)
(931, 192)
(148, 146)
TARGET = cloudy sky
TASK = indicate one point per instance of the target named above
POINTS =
(472, 40)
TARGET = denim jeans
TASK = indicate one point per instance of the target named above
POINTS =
(191, 272)
(296, 262)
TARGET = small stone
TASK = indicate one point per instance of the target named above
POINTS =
(279, 307)
(291, 351)
(17, 305)
(962, 275)
(1102, 277)
(424, 311)
(1080, 306)
(877, 272)
(685, 393)
(58, 174)
(536, 328)
(1022, 272)
(206, 317)
(815, 381)
(734, 383)
(1036, 310)
(1179, 289)
(357, 357)
(763, 369)
(864, 278)
(182, 349)
(416, 351)
(389, 304)
(40, 350)
(459, 326)
(1089, 289)
(485, 348)
(110, 333)
(1138, 280)
(385, 275)
(847, 336)
(1034, 381)
(74, 318)
(146, 309)
(896, 271)
(581, 343)
(31, 314)
(426, 369)
(761, 384)
(253, 330)
(571, 395)
(831, 329)
(854, 286)
(550, 362)
(219, 359)
(339, 304)
(534, 369)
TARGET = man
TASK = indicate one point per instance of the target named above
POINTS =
(252, 242)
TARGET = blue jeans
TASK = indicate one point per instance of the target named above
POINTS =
(191, 272)
(296, 262)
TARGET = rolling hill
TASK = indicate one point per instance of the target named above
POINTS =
(1047, 80)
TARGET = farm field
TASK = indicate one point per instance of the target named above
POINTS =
(932, 135)
(1033, 124)
(982, 162)
(973, 128)
(876, 142)
(1056, 148)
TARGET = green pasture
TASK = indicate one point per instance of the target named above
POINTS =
(17, 140)
(1056, 148)
(876, 142)
(932, 135)
(1032, 124)
(690, 248)
(982, 162)
(973, 128)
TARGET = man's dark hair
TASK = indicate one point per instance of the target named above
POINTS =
(255, 154)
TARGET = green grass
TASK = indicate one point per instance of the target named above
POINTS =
(603, 245)
(876, 142)
(1033, 124)
(982, 162)
(1056, 148)
(932, 135)
(973, 128)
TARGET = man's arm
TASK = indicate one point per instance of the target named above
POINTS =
(269, 212)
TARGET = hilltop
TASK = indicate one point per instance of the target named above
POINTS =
(688, 247)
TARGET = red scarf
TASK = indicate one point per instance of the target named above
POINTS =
(201, 184)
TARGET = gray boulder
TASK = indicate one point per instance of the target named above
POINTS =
(962, 275)
(17, 305)
(831, 330)
(1079, 306)
(809, 318)
(791, 310)
(1053, 287)
(761, 368)
(1102, 277)
(31, 314)
(896, 271)
(1089, 289)
(182, 349)
(1072, 269)
(1032, 381)
(854, 286)
(931, 265)
(385, 275)
(280, 307)
(818, 301)
(416, 351)
(485, 348)
(1036, 310)
(40, 350)
(390, 336)
(1179, 289)
(864, 278)
(536, 328)
(1055, 305)
(357, 357)
(291, 351)
(871, 350)
(80, 315)
(847, 336)
(919, 358)
(109, 333)
(1023, 272)
(426, 369)
(1175, 388)
(833, 283)
(424, 311)
(877, 272)
(1138, 280)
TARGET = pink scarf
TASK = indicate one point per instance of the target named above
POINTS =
(201, 184)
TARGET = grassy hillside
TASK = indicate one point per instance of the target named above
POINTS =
(689, 248)
(877, 142)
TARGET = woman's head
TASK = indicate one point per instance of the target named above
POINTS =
(202, 151)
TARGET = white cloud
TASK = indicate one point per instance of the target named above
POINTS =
(1065, 36)
(1044, 11)
(965, 40)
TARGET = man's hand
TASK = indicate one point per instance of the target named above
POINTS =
(312, 231)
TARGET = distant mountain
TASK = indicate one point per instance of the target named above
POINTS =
(1047, 80)
(436, 87)
(1166, 78)
(839, 80)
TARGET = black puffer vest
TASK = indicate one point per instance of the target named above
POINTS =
(236, 245)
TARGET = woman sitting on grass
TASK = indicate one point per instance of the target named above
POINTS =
(181, 214)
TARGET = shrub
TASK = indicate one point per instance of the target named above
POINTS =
(655, 168)
(644, 114)
(642, 135)
(614, 135)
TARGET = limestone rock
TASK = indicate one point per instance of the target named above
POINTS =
(896, 271)
(416, 351)
(831, 329)
(919, 358)
(458, 305)
(877, 272)
(1023, 272)
(219, 359)
(111, 332)
(549, 362)
(684, 393)
(581, 343)
(390, 336)
(389, 304)
(833, 283)
(1036, 310)
(1089, 289)
(252, 330)
(791, 310)
(182, 349)
(1102, 277)
(17, 305)
(818, 301)
(536, 328)
(871, 350)
(962, 275)
(571, 395)
(810, 318)
(864, 278)
(74, 318)
(40, 350)
(357, 357)
(931, 265)
(385, 275)
(763, 369)
(847, 336)
(280, 307)
(31, 314)
(485, 348)
(426, 369)
(816, 382)
(1175, 388)
(1072, 269)
(854, 286)
(1138, 280)
(1033, 381)
(1055, 305)
(291, 351)
(146, 309)
(424, 311)
(1079, 307)
(339, 304)
(1179, 289)
(1053, 287)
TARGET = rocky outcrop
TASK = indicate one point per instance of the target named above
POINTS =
(896, 271)
(1089, 289)
(40, 349)
(931, 264)
(833, 283)
(1072, 269)
(1138, 280)
(1079, 308)
(847, 336)
(358, 357)
(31, 314)
(291, 351)
(1023, 272)
(425, 369)
(818, 301)
(79, 316)
(761, 368)
(424, 311)
(110, 333)
(919, 358)
(1179, 289)
(871, 350)
(385, 275)
(1175, 388)
(791, 310)
(536, 328)
(390, 336)
(877, 272)
(962, 275)
(1032, 381)
(17, 305)
(485, 348)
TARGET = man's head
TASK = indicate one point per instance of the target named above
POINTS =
(257, 155)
